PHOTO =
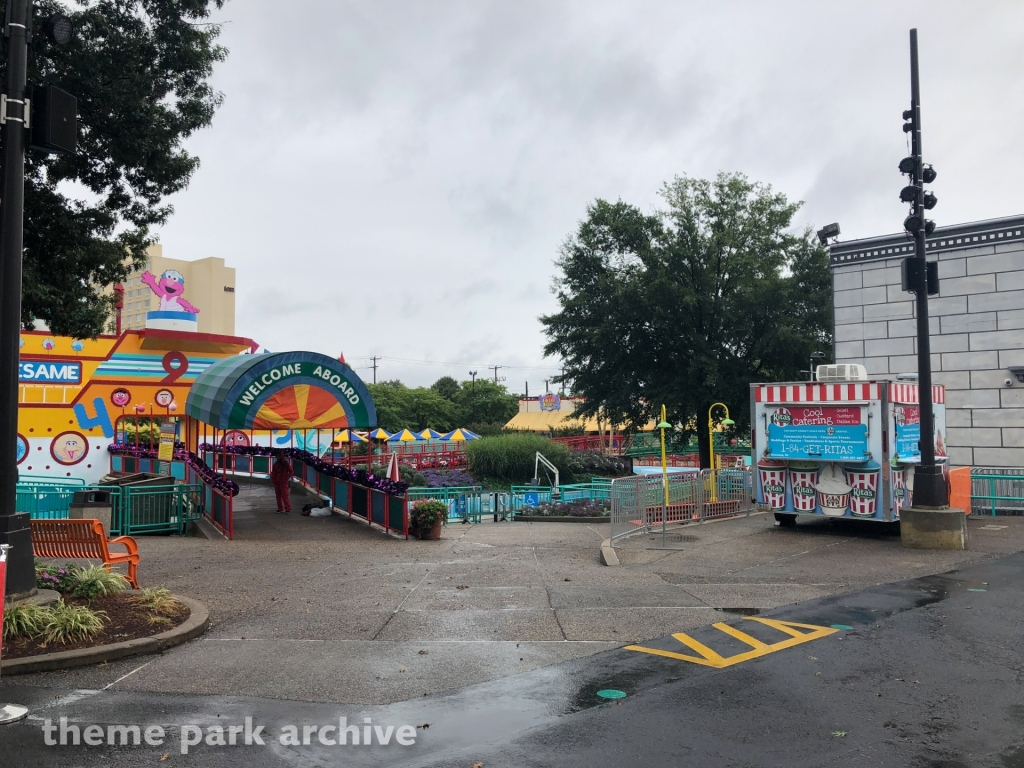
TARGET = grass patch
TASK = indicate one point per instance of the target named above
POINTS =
(159, 601)
(25, 620)
(97, 580)
(66, 623)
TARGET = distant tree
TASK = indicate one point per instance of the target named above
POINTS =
(446, 387)
(689, 305)
(485, 401)
(140, 71)
(393, 401)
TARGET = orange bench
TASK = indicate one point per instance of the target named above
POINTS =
(83, 540)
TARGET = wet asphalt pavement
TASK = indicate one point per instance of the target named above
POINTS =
(925, 673)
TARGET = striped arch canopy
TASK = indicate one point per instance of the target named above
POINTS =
(287, 390)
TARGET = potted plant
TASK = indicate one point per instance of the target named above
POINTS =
(427, 517)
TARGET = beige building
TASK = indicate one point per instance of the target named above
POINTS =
(209, 287)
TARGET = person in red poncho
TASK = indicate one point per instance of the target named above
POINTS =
(280, 475)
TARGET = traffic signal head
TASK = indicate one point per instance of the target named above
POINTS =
(912, 223)
(908, 126)
(928, 174)
(929, 226)
(909, 194)
(930, 200)
(908, 165)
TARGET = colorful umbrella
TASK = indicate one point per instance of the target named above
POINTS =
(349, 436)
(460, 435)
(380, 434)
(429, 434)
(404, 436)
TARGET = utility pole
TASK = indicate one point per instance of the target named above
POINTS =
(374, 366)
(14, 527)
(472, 396)
(562, 381)
(495, 368)
(929, 484)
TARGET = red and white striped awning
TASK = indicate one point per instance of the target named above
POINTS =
(816, 393)
(909, 394)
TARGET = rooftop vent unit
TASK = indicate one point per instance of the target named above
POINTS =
(841, 372)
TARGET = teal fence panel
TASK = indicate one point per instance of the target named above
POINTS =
(158, 509)
(397, 514)
(323, 484)
(340, 494)
(378, 504)
(358, 502)
(52, 502)
(463, 501)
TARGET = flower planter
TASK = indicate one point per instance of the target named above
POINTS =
(430, 534)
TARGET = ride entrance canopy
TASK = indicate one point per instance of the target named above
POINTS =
(286, 390)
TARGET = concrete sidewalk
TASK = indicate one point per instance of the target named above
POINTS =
(326, 609)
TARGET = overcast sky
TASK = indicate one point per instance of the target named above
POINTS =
(395, 178)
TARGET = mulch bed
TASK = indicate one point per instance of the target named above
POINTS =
(125, 621)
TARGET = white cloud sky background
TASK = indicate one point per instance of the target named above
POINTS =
(395, 178)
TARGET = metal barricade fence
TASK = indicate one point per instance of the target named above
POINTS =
(997, 491)
(638, 503)
(157, 509)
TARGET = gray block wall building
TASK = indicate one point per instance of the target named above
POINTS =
(977, 327)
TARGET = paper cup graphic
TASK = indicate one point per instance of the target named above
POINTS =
(833, 491)
(863, 482)
(900, 494)
(834, 504)
(803, 478)
(773, 483)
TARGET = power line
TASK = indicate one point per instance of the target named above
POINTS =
(456, 365)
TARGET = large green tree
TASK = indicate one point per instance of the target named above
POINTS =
(140, 70)
(444, 405)
(688, 305)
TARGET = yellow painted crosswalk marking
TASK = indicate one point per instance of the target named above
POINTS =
(798, 633)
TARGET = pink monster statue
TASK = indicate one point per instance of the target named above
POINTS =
(171, 289)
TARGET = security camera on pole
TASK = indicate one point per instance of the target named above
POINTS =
(929, 523)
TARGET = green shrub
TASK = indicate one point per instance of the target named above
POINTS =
(23, 621)
(97, 580)
(412, 477)
(510, 458)
(65, 623)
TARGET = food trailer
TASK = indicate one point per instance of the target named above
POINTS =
(839, 448)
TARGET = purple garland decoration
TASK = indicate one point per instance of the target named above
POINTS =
(359, 476)
(208, 474)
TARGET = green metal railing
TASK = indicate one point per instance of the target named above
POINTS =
(522, 497)
(157, 509)
(133, 511)
(997, 491)
(464, 501)
(51, 501)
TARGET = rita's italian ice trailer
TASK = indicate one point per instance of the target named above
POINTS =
(841, 447)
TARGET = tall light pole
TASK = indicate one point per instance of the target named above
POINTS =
(929, 484)
(14, 527)
(55, 129)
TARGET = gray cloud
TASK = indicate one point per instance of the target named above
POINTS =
(395, 178)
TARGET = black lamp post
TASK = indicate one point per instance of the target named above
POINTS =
(53, 125)
(814, 356)
(922, 278)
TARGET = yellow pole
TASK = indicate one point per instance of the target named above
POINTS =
(663, 425)
(711, 446)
